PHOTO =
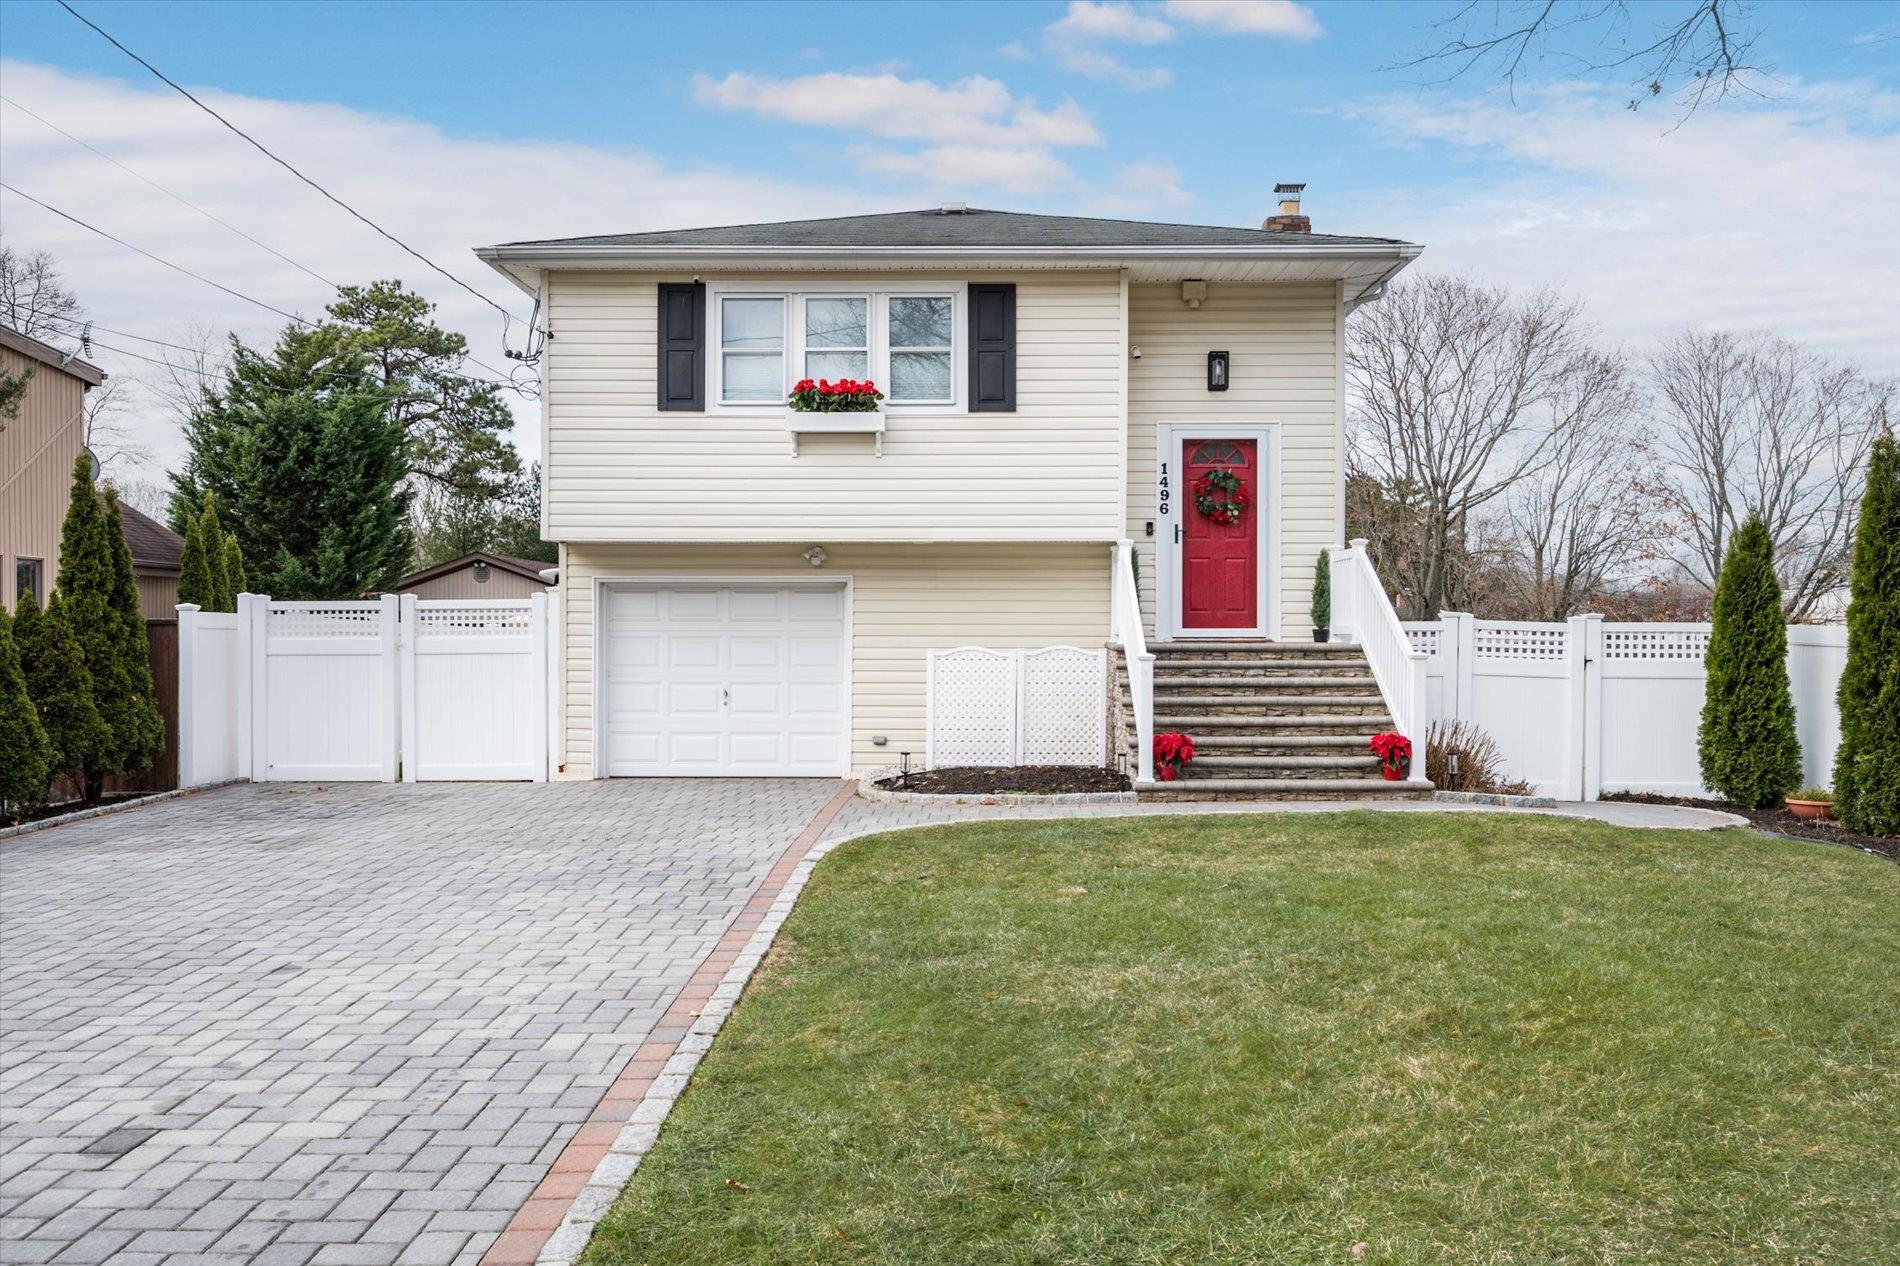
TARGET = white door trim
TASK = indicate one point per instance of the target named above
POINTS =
(1173, 502)
(753, 580)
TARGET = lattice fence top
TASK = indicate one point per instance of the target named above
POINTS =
(1655, 643)
(474, 620)
(1514, 640)
(333, 620)
(1425, 636)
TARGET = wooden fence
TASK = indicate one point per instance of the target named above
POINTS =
(162, 652)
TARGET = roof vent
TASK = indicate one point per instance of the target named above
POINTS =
(954, 208)
(1289, 220)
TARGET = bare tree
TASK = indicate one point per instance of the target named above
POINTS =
(35, 300)
(1761, 424)
(110, 433)
(1589, 514)
(1454, 389)
(1700, 49)
(193, 363)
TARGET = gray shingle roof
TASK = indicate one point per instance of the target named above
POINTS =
(973, 228)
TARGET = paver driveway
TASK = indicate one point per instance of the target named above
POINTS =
(279, 1024)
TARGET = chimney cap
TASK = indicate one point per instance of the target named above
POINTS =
(1289, 186)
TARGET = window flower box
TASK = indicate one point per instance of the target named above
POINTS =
(846, 407)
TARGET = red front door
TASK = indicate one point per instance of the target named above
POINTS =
(1220, 560)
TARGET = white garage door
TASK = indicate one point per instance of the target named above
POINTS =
(725, 679)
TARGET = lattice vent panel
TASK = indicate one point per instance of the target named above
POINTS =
(1062, 713)
(328, 620)
(1656, 644)
(1519, 641)
(1425, 637)
(474, 621)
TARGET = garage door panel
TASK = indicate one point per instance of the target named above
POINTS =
(705, 679)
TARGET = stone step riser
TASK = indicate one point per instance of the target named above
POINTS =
(1222, 764)
(1303, 663)
(1229, 688)
(1290, 788)
(1202, 710)
(1195, 670)
(1359, 728)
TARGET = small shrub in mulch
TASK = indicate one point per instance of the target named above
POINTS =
(1460, 756)
(1045, 780)
(1781, 821)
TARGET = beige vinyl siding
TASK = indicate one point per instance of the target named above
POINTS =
(158, 593)
(36, 468)
(461, 584)
(1284, 343)
(906, 600)
(618, 469)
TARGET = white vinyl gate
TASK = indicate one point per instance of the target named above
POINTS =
(373, 691)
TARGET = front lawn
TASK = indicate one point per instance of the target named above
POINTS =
(1449, 1038)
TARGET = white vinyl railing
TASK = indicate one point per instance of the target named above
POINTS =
(1124, 609)
(1362, 611)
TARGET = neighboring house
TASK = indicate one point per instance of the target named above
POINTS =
(37, 450)
(477, 575)
(746, 593)
(157, 553)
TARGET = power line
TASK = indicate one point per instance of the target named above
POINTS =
(168, 193)
(264, 150)
(236, 294)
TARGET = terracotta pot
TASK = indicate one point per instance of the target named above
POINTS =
(1813, 810)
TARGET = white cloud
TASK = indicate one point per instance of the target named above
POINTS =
(1248, 17)
(442, 194)
(975, 127)
(1075, 42)
(1142, 188)
(1110, 21)
(1773, 216)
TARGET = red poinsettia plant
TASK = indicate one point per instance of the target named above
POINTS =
(1394, 752)
(1172, 750)
(847, 395)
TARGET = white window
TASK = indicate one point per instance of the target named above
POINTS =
(922, 347)
(906, 341)
(752, 350)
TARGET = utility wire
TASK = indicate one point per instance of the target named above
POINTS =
(507, 319)
(168, 193)
(236, 294)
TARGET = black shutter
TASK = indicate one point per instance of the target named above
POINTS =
(682, 323)
(993, 348)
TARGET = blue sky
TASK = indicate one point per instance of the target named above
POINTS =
(458, 124)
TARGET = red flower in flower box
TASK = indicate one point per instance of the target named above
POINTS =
(847, 395)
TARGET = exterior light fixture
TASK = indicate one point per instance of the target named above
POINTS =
(1217, 365)
(815, 556)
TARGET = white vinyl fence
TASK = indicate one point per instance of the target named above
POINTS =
(365, 691)
(1585, 706)
(1040, 707)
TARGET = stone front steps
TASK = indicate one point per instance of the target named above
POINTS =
(1273, 720)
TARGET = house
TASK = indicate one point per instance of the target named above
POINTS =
(157, 555)
(477, 575)
(38, 446)
(746, 589)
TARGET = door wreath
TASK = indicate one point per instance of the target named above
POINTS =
(1221, 495)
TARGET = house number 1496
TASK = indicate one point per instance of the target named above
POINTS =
(1165, 492)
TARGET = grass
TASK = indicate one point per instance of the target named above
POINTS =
(1452, 1039)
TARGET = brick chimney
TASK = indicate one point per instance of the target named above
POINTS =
(1289, 220)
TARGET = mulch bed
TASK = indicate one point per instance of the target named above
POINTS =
(1046, 780)
(1780, 821)
(72, 806)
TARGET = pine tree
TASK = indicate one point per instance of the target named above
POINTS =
(140, 733)
(25, 756)
(194, 573)
(234, 568)
(213, 537)
(1747, 743)
(307, 461)
(1867, 763)
(85, 592)
(60, 687)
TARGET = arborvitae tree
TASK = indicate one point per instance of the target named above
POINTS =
(213, 535)
(139, 731)
(194, 572)
(85, 589)
(234, 568)
(306, 459)
(1867, 763)
(1323, 593)
(1747, 741)
(25, 756)
(60, 687)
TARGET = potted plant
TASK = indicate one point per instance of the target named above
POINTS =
(1812, 804)
(1323, 599)
(1395, 754)
(847, 395)
(1172, 750)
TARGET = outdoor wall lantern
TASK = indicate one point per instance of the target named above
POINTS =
(1217, 371)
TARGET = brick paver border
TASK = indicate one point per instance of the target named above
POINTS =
(554, 1225)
